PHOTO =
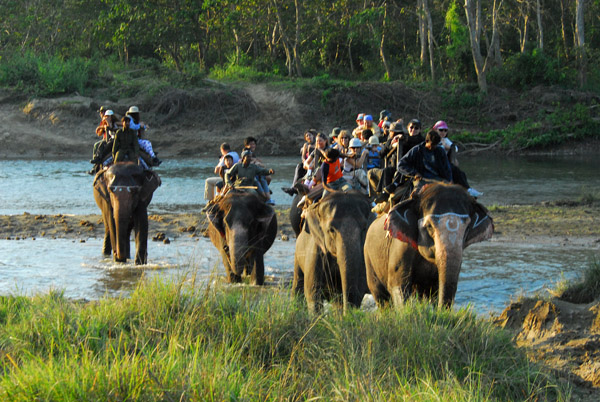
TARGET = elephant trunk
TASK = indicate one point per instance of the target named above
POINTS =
(238, 248)
(351, 262)
(123, 219)
(449, 262)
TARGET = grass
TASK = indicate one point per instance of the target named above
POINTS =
(584, 289)
(172, 341)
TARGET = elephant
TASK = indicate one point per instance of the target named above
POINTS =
(242, 227)
(295, 215)
(418, 246)
(123, 192)
(329, 260)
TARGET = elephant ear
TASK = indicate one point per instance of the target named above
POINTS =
(402, 222)
(215, 215)
(264, 216)
(313, 225)
(150, 182)
(101, 187)
(481, 227)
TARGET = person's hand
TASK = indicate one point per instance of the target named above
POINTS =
(418, 177)
(271, 171)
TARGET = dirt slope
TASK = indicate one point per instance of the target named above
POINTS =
(193, 122)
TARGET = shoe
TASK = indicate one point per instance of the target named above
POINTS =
(156, 161)
(96, 160)
(270, 202)
(301, 188)
(289, 191)
(474, 193)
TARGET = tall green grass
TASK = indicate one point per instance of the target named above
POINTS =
(171, 341)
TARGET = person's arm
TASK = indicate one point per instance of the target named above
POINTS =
(324, 172)
(230, 175)
(220, 165)
(407, 165)
(264, 171)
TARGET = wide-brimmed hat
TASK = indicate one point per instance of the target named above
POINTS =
(397, 127)
(109, 113)
(133, 109)
(373, 140)
(335, 132)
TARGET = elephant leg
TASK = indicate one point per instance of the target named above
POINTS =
(313, 282)
(231, 276)
(109, 240)
(141, 235)
(258, 271)
(298, 283)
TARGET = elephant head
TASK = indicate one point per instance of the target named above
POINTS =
(246, 229)
(439, 222)
(338, 225)
(126, 188)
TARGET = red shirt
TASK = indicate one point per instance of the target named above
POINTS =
(332, 171)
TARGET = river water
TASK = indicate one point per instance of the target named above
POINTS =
(492, 272)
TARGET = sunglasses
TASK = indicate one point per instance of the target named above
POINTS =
(443, 129)
(414, 128)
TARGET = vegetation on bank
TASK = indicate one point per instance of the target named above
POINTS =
(585, 288)
(174, 341)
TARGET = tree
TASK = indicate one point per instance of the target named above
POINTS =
(475, 24)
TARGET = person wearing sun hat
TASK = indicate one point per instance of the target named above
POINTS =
(451, 149)
(140, 127)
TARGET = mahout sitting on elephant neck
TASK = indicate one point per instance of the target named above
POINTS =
(418, 246)
(123, 192)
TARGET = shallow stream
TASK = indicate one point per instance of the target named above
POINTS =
(492, 272)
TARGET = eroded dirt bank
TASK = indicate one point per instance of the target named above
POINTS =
(193, 122)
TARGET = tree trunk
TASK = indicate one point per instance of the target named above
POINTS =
(524, 35)
(297, 40)
(581, 56)
(422, 31)
(382, 42)
(475, 23)
(539, 23)
(430, 39)
(563, 27)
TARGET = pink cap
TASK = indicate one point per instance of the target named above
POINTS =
(440, 125)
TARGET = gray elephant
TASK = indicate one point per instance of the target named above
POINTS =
(123, 193)
(418, 246)
(242, 227)
(329, 260)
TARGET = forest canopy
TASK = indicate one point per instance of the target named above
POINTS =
(64, 45)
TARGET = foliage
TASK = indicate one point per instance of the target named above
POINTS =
(562, 125)
(524, 70)
(47, 75)
(341, 38)
(586, 288)
(171, 341)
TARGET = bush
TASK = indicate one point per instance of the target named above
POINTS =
(523, 70)
(42, 75)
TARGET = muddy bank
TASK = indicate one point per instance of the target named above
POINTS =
(556, 222)
(82, 227)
